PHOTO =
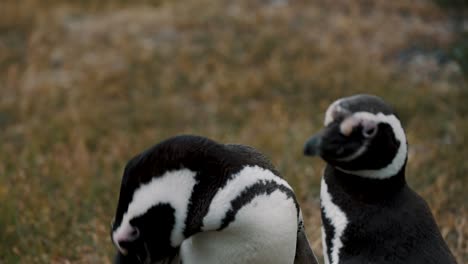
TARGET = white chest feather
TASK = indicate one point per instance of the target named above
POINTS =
(338, 220)
(258, 235)
(264, 229)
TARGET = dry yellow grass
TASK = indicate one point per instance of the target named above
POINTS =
(85, 86)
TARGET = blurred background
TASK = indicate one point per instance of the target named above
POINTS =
(85, 85)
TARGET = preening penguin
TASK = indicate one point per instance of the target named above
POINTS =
(189, 200)
(369, 214)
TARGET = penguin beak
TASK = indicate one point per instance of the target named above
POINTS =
(313, 145)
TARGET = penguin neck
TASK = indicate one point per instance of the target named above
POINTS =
(364, 188)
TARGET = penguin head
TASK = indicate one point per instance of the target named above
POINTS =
(154, 195)
(362, 136)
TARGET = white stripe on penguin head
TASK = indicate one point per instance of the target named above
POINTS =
(333, 110)
(221, 202)
(174, 188)
(398, 161)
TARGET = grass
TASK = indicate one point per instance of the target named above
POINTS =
(85, 86)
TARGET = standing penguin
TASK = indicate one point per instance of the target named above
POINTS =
(369, 214)
(191, 200)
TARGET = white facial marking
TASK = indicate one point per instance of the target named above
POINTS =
(174, 188)
(127, 233)
(265, 231)
(221, 202)
(348, 125)
(333, 110)
(329, 114)
(338, 220)
(118, 237)
(356, 119)
(398, 161)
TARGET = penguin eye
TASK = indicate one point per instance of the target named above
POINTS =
(369, 132)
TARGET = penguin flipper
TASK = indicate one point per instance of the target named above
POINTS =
(304, 254)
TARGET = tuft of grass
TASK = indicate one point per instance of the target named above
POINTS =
(85, 85)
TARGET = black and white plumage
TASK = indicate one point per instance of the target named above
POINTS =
(191, 200)
(369, 214)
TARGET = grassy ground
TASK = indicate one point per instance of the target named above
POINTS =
(85, 86)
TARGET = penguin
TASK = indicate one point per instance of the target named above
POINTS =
(369, 213)
(191, 200)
